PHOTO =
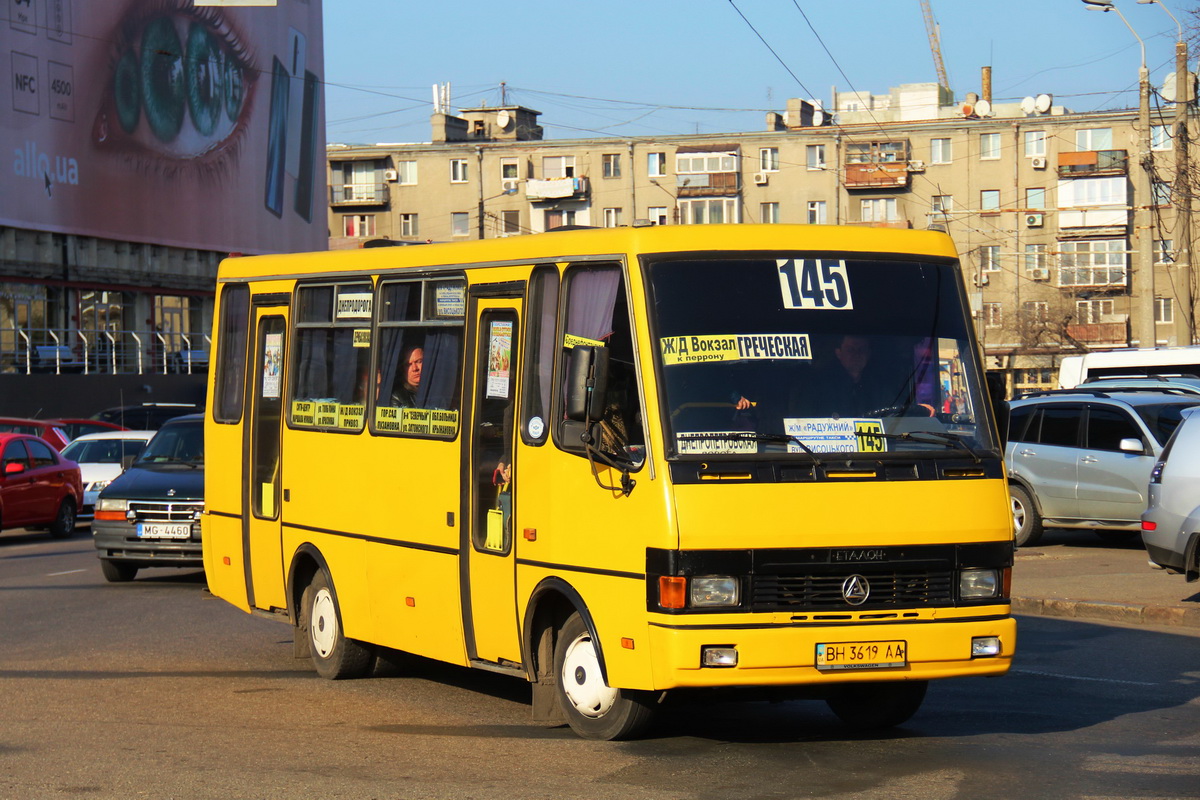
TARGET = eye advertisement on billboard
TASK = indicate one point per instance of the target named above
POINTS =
(165, 121)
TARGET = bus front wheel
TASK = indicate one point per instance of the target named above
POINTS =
(875, 706)
(334, 656)
(594, 710)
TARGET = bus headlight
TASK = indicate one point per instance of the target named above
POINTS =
(713, 591)
(979, 584)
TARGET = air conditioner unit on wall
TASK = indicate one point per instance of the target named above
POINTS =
(916, 166)
(982, 280)
(1038, 162)
(510, 186)
(1034, 220)
(761, 178)
(1039, 274)
(391, 175)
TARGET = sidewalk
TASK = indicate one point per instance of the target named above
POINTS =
(1077, 574)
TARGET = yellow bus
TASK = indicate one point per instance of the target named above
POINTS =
(618, 462)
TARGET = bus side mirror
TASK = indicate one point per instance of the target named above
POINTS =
(998, 395)
(587, 381)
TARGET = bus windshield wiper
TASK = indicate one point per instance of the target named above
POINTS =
(951, 440)
(779, 438)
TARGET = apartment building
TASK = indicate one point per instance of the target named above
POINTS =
(1041, 202)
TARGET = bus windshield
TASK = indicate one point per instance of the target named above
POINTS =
(803, 355)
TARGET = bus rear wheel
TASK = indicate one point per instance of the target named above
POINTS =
(875, 706)
(334, 656)
(593, 709)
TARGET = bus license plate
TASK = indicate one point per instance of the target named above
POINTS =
(152, 530)
(862, 655)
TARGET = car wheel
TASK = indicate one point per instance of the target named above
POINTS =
(593, 709)
(64, 523)
(334, 656)
(117, 571)
(1027, 523)
(875, 706)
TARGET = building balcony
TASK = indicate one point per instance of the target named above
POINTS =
(710, 184)
(359, 194)
(878, 175)
(901, 224)
(556, 189)
(1093, 163)
(1100, 333)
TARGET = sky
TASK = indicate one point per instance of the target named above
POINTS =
(646, 68)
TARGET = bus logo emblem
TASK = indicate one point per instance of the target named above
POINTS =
(856, 590)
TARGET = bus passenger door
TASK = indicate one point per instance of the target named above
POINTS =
(262, 542)
(488, 508)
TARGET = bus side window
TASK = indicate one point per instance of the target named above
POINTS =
(597, 314)
(231, 354)
(540, 330)
(333, 332)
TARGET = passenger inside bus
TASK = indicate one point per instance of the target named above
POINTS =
(404, 395)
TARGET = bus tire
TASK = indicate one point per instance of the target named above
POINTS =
(1027, 522)
(593, 709)
(333, 655)
(874, 706)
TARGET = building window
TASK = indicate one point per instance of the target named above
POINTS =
(1035, 143)
(1035, 199)
(460, 223)
(1093, 312)
(657, 214)
(989, 258)
(556, 218)
(878, 209)
(1160, 137)
(360, 180)
(612, 217)
(656, 164)
(991, 315)
(940, 151)
(768, 159)
(1093, 139)
(359, 225)
(1161, 191)
(1035, 311)
(510, 169)
(814, 155)
(1164, 310)
(768, 213)
(458, 170)
(877, 152)
(989, 146)
(406, 173)
(715, 211)
(1034, 378)
(610, 164)
(1099, 262)
(510, 222)
(989, 201)
(1037, 264)
(942, 203)
(816, 212)
(1164, 251)
(408, 225)
(558, 167)
(699, 163)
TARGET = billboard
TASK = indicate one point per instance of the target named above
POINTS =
(165, 122)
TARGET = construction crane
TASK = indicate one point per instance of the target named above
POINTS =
(935, 44)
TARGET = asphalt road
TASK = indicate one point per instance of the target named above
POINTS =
(156, 689)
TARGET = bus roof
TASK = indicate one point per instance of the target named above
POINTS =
(604, 241)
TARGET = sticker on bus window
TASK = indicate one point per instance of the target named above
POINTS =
(734, 347)
(414, 420)
(387, 419)
(814, 284)
(499, 359)
(353, 305)
(272, 365)
(327, 413)
(362, 337)
(443, 422)
(571, 341)
(710, 443)
(351, 416)
(834, 435)
(450, 300)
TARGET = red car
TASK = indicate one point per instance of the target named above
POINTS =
(38, 487)
(76, 427)
(45, 428)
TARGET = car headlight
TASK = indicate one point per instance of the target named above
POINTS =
(713, 591)
(979, 584)
(112, 504)
(98, 485)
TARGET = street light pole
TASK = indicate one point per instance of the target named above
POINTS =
(1184, 321)
(1143, 284)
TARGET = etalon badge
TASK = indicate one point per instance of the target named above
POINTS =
(856, 590)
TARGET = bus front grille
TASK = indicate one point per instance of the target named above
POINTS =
(892, 589)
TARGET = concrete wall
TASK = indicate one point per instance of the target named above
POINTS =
(47, 396)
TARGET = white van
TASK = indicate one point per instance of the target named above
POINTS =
(1166, 361)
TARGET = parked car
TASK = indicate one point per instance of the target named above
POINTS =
(1177, 384)
(145, 416)
(82, 427)
(150, 515)
(49, 358)
(1081, 458)
(1171, 525)
(101, 458)
(38, 487)
(46, 429)
(188, 361)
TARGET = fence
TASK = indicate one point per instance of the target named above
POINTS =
(122, 352)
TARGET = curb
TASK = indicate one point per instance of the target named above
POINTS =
(1170, 616)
